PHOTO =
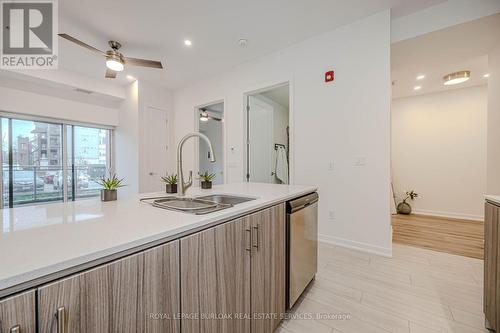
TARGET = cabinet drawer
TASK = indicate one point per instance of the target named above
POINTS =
(133, 294)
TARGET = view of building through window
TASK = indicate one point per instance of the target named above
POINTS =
(33, 168)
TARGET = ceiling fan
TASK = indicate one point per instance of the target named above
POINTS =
(115, 61)
(204, 116)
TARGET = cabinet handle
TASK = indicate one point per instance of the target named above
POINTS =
(15, 329)
(257, 237)
(61, 319)
(249, 248)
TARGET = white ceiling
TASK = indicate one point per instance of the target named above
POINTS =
(156, 29)
(462, 47)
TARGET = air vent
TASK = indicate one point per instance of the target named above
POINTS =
(83, 91)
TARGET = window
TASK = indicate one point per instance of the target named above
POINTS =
(90, 156)
(33, 166)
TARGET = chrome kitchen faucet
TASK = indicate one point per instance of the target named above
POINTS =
(185, 185)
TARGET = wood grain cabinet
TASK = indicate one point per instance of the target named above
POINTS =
(226, 279)
(139, 293)
(17, 314)
(492, 267)
(233, 275)
(268, 269)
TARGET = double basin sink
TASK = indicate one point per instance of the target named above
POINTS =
(199, 205)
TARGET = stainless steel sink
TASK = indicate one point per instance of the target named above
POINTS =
(226, 199)
(200, 205)
(188, 205)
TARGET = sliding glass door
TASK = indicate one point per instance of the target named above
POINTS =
(50, 161)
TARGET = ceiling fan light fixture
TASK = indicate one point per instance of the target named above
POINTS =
(204, 116)
(114, 63)
(456, 78)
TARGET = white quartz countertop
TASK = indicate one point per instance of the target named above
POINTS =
(36, 241)
(493, 198)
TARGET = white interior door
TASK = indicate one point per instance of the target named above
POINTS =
(155, 149)
(261, 142)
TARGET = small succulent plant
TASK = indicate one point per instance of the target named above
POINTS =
(111, 182)
(207, 177)
(170, 179)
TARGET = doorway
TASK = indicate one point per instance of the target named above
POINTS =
(268, 135)
(210, 119)
(439, 136)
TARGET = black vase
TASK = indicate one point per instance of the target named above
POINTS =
(206, 185)
(171, 188)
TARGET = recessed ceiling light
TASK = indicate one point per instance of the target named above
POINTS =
(187, 42)
(417, 88)
(487, 75)
(421, 77)
(456, 78)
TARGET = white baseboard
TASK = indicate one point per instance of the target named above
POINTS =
(449, 215)
(364, 247)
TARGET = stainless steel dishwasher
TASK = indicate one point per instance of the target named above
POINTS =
(302, 245)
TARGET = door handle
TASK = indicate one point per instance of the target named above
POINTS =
(256, 228)
(15, 329)
(249, 247)
(61, 319)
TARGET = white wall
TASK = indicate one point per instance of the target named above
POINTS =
(127, 141)
(19, 101)
(343, 122)
(493, 173)
(443, 15)
(439, 150)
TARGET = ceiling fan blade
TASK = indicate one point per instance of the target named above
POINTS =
(110, 74)
(143, 62)
(80, 43)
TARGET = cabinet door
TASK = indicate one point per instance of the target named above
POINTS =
(491, 265)
(105, 299)
(268, 268)
(18, 312)
(215, 284)
(161, 290)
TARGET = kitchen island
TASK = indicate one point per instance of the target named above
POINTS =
(65, 256)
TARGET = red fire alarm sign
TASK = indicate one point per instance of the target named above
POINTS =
(329, 76)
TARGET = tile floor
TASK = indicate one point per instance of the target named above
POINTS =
(416, 291)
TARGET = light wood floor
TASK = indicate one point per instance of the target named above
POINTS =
(461, 237)
(416, 291)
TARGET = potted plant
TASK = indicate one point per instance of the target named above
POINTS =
(170, 183)
(404, 207)
(110, 185)
(206, 179)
